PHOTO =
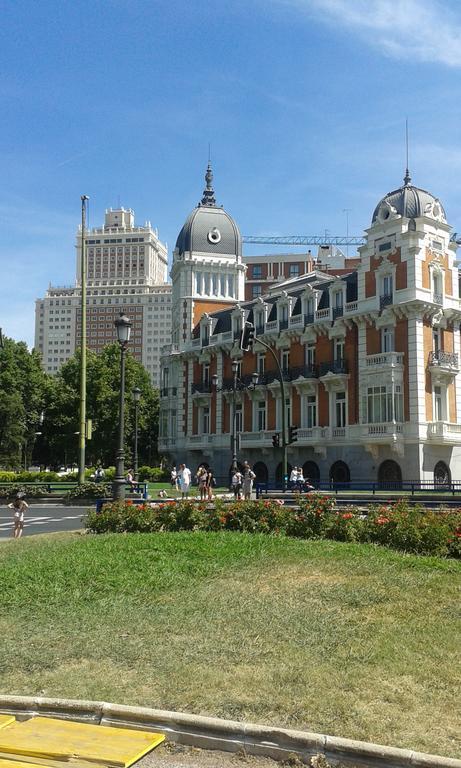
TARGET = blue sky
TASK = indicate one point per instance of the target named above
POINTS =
(303, 101)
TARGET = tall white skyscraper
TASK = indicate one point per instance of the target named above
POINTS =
(126, 271)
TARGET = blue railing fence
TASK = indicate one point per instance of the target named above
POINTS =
(374, 487)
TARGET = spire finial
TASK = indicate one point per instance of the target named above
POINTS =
(407, 177)
(208, 193)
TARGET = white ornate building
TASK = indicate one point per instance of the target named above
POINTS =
(370, 358)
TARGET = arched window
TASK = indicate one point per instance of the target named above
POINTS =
(261, 472)
(390, 475)
(339, 473)
(311, 471)
(279, 473)
(442, 475)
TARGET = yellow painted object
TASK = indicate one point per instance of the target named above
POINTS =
(44, 737)
(6, 720)
(7, 763)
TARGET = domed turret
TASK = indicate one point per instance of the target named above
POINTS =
(209, 228)
(410, 202)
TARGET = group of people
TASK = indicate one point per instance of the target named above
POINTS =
(298, 482)
(242, 482)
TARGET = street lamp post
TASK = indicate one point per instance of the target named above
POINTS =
(123, 327)
(235, 368)
(136, 398)
(235, 386)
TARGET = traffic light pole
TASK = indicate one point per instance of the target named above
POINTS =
(284, 427)
(234, 418)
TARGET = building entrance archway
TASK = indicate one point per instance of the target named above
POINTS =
(339, 473)
(390, 475)
(442, 475)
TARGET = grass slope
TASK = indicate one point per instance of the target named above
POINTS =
(339, 638)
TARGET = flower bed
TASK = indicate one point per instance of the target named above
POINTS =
(396, 525)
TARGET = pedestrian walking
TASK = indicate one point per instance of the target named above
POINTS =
(210, 483)
(248, 477)
(174, 478)
(236, 483)
(185, 476)
(19, 506)
(202, 479)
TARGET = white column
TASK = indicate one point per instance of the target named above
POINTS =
(362, 353)
(416, 371)
(457, 381)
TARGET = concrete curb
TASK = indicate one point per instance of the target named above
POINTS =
(226, 735)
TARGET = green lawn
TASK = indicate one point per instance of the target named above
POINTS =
(344, 639)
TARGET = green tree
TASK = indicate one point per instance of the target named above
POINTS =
(103, 382)
(24, 391)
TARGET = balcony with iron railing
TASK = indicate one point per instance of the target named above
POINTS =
(443, 359)
(385, 300)
(309, 319)
(283, 324)
(334, 366)
(201, 387)
(337, 312)
(307, 371)
(437, 298)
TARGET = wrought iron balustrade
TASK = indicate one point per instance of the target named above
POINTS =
(437, 298)
(308, 371)
(201, 387)
(337, 312)
(445, 359)
(385, 300)
(283, 325)
(334, 366)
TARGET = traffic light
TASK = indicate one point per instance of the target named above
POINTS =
(292, 434)
(248, 336)
(276, 440)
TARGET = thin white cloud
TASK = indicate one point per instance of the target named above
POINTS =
(402, 29)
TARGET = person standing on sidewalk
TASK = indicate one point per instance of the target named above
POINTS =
(185, 476)
(248, 477)
(19, 506)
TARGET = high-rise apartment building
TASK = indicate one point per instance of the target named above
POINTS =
(126, 271)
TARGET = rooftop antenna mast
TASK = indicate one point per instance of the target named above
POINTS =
(407, 178)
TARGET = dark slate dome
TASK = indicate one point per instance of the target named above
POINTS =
(209, 228)
(410, 202)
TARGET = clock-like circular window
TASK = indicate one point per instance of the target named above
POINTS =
(214, 236)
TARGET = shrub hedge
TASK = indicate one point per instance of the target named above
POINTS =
(399, 526)
(89, 490)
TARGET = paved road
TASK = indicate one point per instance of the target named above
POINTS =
(48, 518)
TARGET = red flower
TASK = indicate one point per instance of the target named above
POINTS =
(382, 520)
(347, 515)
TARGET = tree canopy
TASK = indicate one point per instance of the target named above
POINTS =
(39, 414)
